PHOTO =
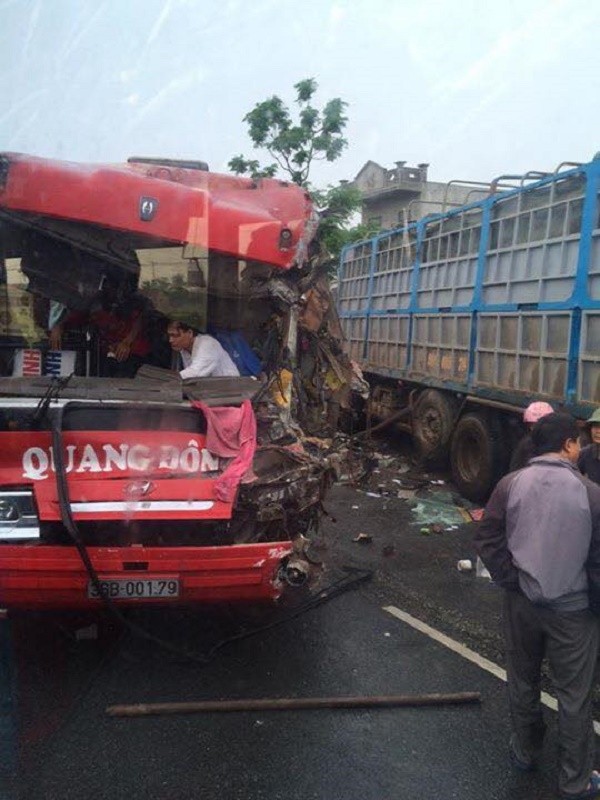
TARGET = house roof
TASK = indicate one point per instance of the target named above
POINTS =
(368, 164)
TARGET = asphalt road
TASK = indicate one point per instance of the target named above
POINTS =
(68, 748)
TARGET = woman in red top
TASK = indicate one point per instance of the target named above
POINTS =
(124, 346)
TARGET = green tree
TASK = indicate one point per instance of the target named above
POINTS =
(294, 145)
(316, 135)
(337, 227)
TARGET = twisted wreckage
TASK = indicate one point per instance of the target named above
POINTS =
(153, 489)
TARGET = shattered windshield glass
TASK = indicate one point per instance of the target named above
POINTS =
(176, 283)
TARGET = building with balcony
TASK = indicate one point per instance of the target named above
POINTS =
(392, 197)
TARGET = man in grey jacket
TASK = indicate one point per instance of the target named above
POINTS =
(540, 540)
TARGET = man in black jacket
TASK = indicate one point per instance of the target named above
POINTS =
(540, 540)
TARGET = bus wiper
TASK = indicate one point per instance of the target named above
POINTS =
(52, 393)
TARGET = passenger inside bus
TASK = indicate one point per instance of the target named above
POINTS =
(64, 311)
(122, 327)
(201, 355)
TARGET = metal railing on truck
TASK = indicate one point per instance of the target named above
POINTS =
(499, 298)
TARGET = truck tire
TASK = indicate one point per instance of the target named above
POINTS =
(477, 457)
(433, 419)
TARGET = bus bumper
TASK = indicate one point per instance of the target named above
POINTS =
(53, 576)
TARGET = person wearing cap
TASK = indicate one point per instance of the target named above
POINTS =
(523, 452)
(589, 459)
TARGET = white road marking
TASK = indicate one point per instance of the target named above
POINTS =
(466, 652)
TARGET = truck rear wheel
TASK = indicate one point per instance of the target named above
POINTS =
(433, 420)
(476, 456)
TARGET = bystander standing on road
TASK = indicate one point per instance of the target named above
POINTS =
(523, 452)
(589, 458)
(540, 540)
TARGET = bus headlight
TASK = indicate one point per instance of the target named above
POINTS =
(8, 511)
(18, 516)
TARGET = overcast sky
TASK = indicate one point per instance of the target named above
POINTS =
(476, 88)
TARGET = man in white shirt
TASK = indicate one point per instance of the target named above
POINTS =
(202, 355)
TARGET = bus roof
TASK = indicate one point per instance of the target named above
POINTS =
(264, 220)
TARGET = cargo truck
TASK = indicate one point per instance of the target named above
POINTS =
(463, 317)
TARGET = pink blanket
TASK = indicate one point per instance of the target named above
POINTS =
(230, 433)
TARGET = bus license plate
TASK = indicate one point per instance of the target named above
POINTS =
(132, 589)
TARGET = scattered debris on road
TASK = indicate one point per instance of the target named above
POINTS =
(481, 571)
(432, 512)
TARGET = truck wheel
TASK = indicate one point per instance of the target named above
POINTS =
(433, 420)
(476, 457)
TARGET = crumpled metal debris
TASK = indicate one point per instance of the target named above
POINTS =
(308, 381)
(283, 496)
(261, 282)
(360, 385)
(319, 314)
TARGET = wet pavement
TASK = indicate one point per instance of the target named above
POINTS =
(69, 748)
(348, 646)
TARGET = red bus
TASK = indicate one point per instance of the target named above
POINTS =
(140, 485)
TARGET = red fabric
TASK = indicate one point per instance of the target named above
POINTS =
(230, 433)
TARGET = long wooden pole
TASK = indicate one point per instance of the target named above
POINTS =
(292, 704)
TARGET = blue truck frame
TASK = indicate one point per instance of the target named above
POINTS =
(509, 279)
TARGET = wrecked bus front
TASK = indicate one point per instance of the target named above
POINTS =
(149, 488)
